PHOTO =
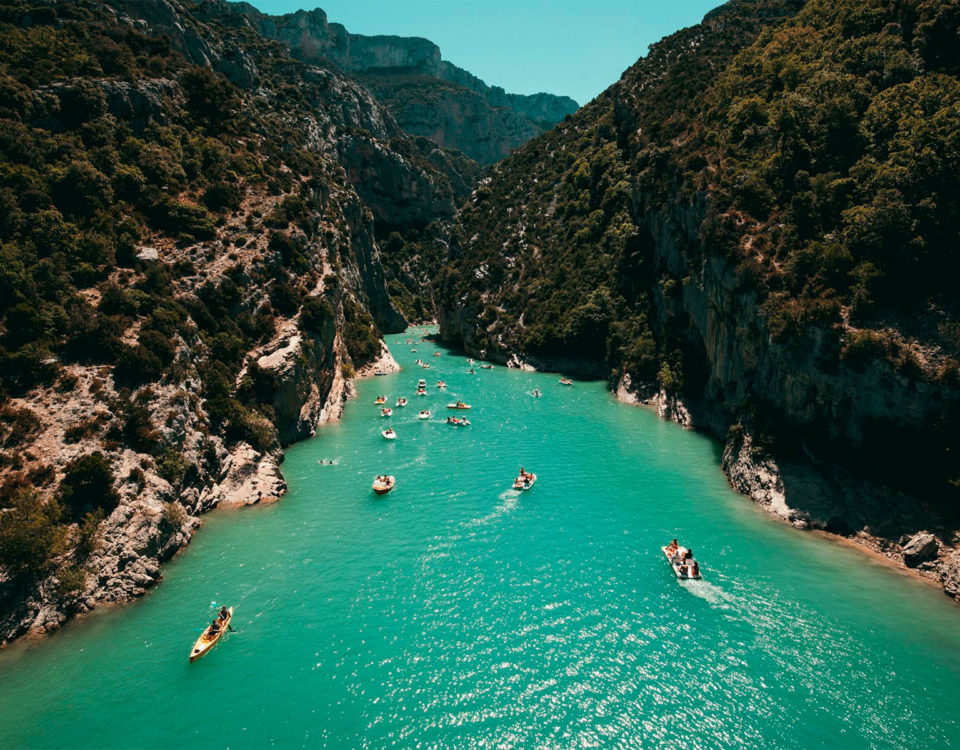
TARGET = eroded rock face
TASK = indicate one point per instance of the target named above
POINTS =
(427, 95)
(186, 463)
(921, 548)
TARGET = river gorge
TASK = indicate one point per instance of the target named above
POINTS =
(455, 611)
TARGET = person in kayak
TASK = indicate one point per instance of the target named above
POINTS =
(214, 627)
(224, 613)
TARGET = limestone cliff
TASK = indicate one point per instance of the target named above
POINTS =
(664, 231)
(428, 96)
(191, 275)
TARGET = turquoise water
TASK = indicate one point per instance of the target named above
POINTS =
(454, 612)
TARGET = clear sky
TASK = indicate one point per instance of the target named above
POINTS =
(572, 47)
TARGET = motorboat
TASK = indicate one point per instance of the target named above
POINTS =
(566, 381)
(383, 484)
(525, 481)
(685, 567)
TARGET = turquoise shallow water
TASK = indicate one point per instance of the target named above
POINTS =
(455, 612)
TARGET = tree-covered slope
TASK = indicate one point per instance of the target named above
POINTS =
(189, 270)
(759, 216)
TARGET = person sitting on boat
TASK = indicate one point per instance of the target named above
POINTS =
(672, 547)
(224, 613)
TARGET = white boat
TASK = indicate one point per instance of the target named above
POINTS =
(566, 381)
(402, 401)
(383, 484)
(459, 405)
(683, 569)
(386, 412)
(421, 392)
(458, 422)
(422, 383)
(524, 482)
(486, 367)
(380, 400)
(425, 414)
(536, 393)
(389, 434)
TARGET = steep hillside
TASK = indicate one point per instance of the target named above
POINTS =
(758, 218)
(428, 96)
(190, 275)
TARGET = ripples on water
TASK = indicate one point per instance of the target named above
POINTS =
(457, 612)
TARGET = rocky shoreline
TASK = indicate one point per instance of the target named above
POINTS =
(152, 522)
(839, 507)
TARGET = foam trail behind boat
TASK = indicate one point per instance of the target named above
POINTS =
(708, 591)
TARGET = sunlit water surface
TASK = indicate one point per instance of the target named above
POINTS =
(455, 612)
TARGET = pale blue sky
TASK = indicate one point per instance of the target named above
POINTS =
(572, 47)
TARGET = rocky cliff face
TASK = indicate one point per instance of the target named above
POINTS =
(427, 95)
(224, 317)
(629, 235)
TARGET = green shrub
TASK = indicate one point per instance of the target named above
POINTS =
(30, 534)
(87, 485)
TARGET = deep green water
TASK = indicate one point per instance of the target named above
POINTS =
(455, 612)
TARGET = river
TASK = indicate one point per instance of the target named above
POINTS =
(456, 612)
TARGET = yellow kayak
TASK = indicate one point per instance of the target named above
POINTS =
(208, 640)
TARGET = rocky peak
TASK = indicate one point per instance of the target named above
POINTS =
(427, 95)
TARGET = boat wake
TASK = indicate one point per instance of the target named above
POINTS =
(708, 591)
(508, 501)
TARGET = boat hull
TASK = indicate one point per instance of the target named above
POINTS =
(204, 643)
(383, 489)
(676, 568)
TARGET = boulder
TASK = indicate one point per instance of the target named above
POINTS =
(950, 575)
(920, 548)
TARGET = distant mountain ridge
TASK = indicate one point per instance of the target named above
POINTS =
(484, 122)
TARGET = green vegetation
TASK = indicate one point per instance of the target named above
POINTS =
(802, 152)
